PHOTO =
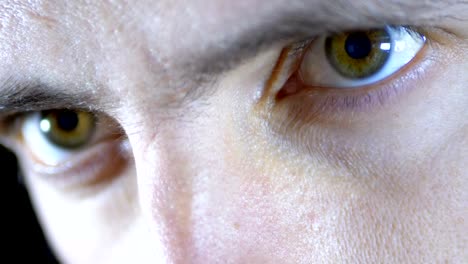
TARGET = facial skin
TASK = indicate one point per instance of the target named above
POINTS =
(200, 161)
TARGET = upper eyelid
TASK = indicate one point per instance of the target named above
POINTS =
(301, 45)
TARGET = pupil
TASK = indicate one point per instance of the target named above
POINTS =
(358, 45)
(67, 120)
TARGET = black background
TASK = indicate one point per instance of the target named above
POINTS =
(22, 238)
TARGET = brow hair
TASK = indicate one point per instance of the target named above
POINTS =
(32, 95)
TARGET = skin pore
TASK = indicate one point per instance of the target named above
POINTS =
(195, 159)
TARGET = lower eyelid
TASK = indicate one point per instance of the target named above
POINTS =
(96, 165)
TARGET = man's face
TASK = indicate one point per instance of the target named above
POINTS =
(224, 131)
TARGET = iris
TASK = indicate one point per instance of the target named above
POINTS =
(67, 129)
(359, 54)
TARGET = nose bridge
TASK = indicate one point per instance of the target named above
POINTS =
(178, 154)
(164, 179)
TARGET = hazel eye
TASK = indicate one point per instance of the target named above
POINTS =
(358, 58)
(358, 54)
(55, 136)
(70, 147)
(67, 129)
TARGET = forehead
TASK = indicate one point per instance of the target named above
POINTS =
(156, 19)
(169, 28)
(204, 20)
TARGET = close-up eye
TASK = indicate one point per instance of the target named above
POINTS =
(333, 77)
(359, 58)
(53, 136)
(77, 144)
(67, 129)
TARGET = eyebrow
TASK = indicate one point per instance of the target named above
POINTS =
(17, 96)
(307, 19)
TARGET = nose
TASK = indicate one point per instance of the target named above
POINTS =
(173, 165)
(201, 190)
(165, 195)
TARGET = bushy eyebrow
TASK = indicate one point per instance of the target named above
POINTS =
(296, 20)
(19, 96)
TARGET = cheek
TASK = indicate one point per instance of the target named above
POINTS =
(256, 207)
(214, 188)
(212, 194)
(206, 197)
(240, 211)
(250, 202)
